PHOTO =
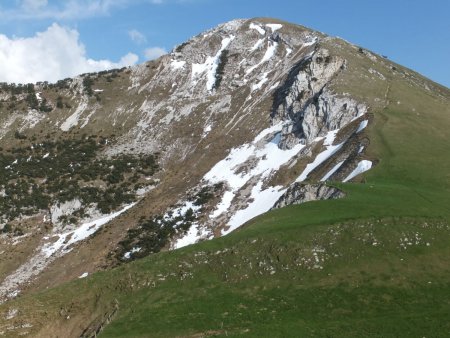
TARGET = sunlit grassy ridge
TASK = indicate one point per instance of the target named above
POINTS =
(372, 264)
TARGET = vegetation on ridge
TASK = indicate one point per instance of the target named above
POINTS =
(37, 176)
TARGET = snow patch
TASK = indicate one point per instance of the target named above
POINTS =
(275, 129)
(210, 66)
(181, 210)
(270, 52)
(332, 171)
(258, 28)
(323, 156)
(47, 253)
(274, 86)
(72, 120)
(206, 130)
(252, 162)
(310, 41)
(192, 236)
(195, 232)
(262, 201)
(261, 82)
(362, 166)
(274, 26)
(127, 255)
(174, 64)
(65, 240)
(232, 170)
(256, 45)
(362, 125)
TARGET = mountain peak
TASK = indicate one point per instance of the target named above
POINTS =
(248, 116)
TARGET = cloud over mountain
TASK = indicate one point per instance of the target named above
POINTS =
(137, 37)
(49, 56)
(152, 53)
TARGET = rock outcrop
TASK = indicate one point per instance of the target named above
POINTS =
(310, 107)
(299, 193)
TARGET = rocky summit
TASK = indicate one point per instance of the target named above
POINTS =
(251, 116)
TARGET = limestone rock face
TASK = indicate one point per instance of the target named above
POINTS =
(299, 193)
(63, 209)
(312, 108)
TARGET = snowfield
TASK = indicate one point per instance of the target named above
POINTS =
(250, 164)
(265, 159)
(248, 167)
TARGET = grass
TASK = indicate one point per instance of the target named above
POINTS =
(264, 283)
(381, 290)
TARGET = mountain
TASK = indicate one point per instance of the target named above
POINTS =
(107, 174)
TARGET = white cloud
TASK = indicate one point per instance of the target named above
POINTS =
(51, 55)
(137, 36)
(154, 52)
(31, 5)
(68, 9)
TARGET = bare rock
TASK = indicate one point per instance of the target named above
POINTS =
(299, 193)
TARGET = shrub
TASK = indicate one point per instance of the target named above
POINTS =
(223, 59)
(59, 102)
(44, 107)
(87, 85)
(7, 228)
(18, 135)
(32, 101)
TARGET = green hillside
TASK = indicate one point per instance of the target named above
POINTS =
(373, 264)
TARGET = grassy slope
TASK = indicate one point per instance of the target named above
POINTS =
(332, 268)
(367, 290)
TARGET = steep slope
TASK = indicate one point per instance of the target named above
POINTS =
(239, 119)
(256, 94)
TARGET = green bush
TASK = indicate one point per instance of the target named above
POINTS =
(65, 170)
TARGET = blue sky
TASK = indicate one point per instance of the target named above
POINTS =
(118, 32)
